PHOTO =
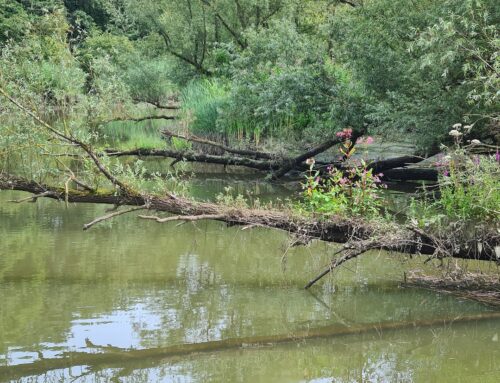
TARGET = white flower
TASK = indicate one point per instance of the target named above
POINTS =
(447, 158)
(455, 133)
(310, 161)
(467, 128)
(457, 126)
(475, 142)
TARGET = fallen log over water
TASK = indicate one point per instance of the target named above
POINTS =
(192, 156)
(117, 356)
(241, 152)
(358, 235)
(393, 168)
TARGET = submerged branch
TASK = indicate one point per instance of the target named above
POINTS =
(357, 249)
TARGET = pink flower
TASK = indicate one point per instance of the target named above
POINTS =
(369, 140)
(446, 173)
(343, 181)
(345, 133)
(497, 156)
(360, 140)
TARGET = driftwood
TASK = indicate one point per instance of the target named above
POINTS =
(110, 355)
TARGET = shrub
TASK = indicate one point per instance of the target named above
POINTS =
(353, 191)
(468, 190)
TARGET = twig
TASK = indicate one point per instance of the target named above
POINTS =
(350, 254)
(112, 215)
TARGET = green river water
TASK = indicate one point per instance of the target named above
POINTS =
(139, 285)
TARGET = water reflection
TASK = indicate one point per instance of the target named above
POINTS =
(143, 285)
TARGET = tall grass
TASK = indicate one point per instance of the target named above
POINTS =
(202, 102)
(129, 135)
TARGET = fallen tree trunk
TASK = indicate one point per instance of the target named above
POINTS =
(411, 174)
(139, 119)
(240, 152)
(191, 156)
(358, 235)
(292, 163)
(393, 168)
(171, 106)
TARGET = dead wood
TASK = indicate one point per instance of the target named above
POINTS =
(112, 215)
(292, 163)
(359, 234)
(139, 119)
(172, 106)
(484, 288)
(189, 218)
(241, 152)
(192, 156)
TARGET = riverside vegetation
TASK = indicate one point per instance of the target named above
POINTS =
(264, 78)
(117, 102)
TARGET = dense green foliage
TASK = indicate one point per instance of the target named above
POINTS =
(294, 70)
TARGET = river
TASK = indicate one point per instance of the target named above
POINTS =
(138, 285)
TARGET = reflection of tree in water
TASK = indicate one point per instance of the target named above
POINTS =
(387, 368)
(163, 285)
(412, 355)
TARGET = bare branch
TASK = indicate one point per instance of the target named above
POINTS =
(351, 253)
(33, 198)
(112, 215)
(139, 119)
(115, 181)
(200, 140)
(158, 105)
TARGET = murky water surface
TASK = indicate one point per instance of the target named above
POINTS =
(140, 285)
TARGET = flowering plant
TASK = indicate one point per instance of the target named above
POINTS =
(346, 190)
(468, 188)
